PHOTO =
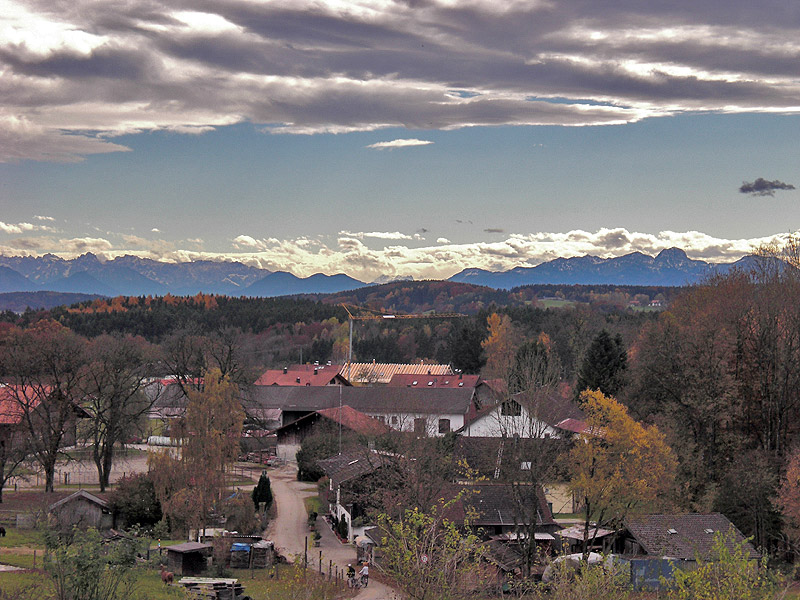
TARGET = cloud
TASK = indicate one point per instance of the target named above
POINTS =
(85, 244)
(155, 230)
(494, 230)
(442, 240)
(399, 144)
(20, 227)
(76, 77)
(762, 187)
(43, 218)
(380, 235)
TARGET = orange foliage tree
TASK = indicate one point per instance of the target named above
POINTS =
(500, 346)
(619, 466)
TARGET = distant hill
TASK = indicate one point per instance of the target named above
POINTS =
(19, 301)
(671, 267)
(281, 283)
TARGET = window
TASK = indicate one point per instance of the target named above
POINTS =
(421, 426)
(510, 408)
(444, 425)
(525, 465)
(394, 419)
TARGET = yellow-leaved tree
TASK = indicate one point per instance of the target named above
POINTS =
(189, 485)
(618, 467)
(500, 346)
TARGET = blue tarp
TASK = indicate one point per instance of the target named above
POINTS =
(239, 547)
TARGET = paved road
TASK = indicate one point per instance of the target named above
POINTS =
(289, 530)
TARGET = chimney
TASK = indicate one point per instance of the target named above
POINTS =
(297, 380)
(460, 375)
(285, 370)
(315, 370)
(429, 371)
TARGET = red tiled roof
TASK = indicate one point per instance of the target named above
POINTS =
(434, 381)
(12, 402)
(355, 420)
(302, 375)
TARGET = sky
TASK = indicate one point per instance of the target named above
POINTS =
(388, 138)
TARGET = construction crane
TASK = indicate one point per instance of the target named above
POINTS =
(378, 315)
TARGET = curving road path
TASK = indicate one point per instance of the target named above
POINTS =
(289, 530)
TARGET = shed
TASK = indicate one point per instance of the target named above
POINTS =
(83, 510)
(188, 558)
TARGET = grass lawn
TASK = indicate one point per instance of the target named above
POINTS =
(260, 584)
(554, 303)
(313, 504)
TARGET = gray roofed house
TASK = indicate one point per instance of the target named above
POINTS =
(682, 537)
(429, 411)
(660, 544)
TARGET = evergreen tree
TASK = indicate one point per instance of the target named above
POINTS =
(263, 491)
(603, 366)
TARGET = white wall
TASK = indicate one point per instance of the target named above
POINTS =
(494, 424)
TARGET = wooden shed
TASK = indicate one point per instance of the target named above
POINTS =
(188, 558)
(82, 510)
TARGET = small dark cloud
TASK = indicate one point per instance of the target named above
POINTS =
(493, 230)
(460, 222)
(762, 187)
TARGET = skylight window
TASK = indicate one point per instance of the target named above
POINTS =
(672, 531)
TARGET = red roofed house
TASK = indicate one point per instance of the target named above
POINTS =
(303, 375)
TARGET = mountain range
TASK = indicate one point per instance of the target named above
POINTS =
(670, 267)
(134, 276)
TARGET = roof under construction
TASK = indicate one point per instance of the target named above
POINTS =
(373, 372)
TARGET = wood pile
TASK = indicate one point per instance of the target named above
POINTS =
(210, 588)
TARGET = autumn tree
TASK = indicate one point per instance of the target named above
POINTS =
(603, 366)
(114, 396)
(500, 345)
(44, 366)
(619, 466)
(190, 484)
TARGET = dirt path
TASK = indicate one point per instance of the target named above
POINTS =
(289, 530)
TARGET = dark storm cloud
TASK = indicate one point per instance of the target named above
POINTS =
(762, 187)
(303, 66)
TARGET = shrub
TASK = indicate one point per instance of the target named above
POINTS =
(134, 501)
(727, 574)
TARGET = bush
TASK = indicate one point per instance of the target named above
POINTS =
(88, 569)
(727, 574)
(134, 501)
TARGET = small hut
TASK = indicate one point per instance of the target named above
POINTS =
(188, 558)
(82, 510)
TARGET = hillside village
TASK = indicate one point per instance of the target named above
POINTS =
(533, 458)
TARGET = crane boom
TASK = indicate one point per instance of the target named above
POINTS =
(385, 316)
